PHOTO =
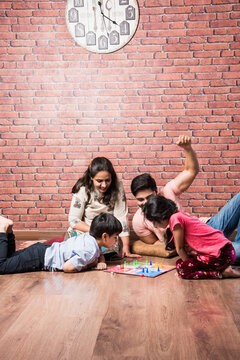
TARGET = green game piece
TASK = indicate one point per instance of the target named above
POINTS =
(146, 262)
(125, 263)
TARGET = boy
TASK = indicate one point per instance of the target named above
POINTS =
(76, 254)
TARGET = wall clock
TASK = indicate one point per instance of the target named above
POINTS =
(102, 26)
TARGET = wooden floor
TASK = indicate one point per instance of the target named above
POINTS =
(97, 315)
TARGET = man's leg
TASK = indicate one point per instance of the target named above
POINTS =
(228, 218)
(236, 246)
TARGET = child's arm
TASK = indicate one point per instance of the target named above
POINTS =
(68, 267)
(178, 234)
(101, 265)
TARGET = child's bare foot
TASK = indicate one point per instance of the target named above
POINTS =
(5, 223)
(229, 272)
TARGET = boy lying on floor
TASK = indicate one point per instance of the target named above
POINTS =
(76, 254)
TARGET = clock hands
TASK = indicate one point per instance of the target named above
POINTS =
(100, 5)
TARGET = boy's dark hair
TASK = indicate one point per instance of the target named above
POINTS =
(105, 223)
(143, 182)
(158, 208)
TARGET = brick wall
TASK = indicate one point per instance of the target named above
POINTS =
(61, 105)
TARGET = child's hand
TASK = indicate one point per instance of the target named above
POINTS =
(101, 266)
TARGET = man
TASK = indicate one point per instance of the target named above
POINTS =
(143, 186)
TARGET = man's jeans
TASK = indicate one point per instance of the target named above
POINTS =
(227, 220)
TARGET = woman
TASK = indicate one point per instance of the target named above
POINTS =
(99, 190)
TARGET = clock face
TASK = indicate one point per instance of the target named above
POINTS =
(102, 26)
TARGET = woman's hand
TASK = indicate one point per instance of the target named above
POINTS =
(127, 253)
(125, 250)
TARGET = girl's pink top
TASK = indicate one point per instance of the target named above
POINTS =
(199, 236)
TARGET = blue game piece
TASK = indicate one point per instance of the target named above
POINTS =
(146, 270)
(158, 269)
(150, 263)
(142, 270)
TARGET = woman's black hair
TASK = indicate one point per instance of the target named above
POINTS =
(105, 223)
(158, 208)
(99, 164)
(143, 182)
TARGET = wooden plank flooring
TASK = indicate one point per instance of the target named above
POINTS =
(97, 315)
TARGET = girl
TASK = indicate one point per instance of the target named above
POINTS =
(98, 190)
(204, 252)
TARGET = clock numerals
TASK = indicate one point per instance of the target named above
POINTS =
(114, 38)
(73, 15)
(91, 38)
(79, 3)
(123, 2)
(130, 13)
(79, 30)
(124, 28)
(102, 43)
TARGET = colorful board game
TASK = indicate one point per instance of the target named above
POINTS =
(147, 269)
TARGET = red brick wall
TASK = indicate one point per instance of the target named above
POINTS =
(61, 105)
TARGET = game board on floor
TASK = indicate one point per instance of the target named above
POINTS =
(147, 269)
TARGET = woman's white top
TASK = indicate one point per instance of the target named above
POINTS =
(85, 210)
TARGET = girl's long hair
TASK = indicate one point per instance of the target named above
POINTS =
(99, 164)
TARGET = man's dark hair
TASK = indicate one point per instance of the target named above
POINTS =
(158, 208)
(143, 182)
(105, 223)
